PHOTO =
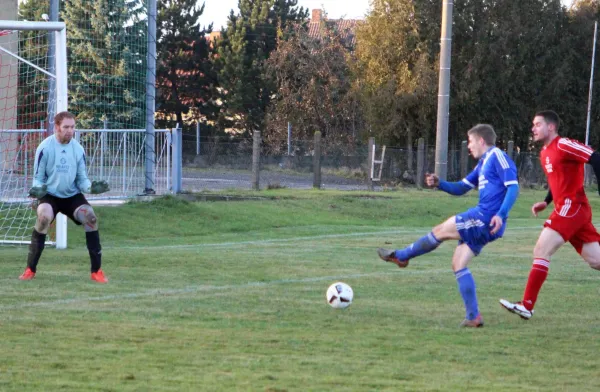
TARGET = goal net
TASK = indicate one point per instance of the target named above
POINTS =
(33, 87)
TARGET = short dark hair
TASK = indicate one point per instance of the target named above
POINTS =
(550, 117)
(484, 131)
(58, 119)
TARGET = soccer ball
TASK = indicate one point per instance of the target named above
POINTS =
(339, 295)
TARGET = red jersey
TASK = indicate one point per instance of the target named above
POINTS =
(563, 161)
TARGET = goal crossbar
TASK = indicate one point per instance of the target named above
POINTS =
(24, 25)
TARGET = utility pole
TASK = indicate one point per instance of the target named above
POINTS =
(443, 112)
(150, 99)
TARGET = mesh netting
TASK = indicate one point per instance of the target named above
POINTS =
(107, 47)
(24, 102)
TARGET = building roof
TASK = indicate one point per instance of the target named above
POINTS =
(345, 27)
(214, 36)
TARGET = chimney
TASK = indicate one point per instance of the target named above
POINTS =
(316, 15)
(214, 35)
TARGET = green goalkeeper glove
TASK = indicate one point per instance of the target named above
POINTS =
(99, 187)
(38, 192)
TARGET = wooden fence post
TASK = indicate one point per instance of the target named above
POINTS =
(420, 163)
(256, 161)
(510, 149)
(370, 163)
(317, 161)
(464, 159)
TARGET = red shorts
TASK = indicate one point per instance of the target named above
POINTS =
(576, 228)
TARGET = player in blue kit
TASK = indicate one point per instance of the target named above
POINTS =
(496, 178)
(59, 179)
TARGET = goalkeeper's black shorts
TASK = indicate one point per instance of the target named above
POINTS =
(67, 205)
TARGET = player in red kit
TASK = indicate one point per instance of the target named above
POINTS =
(563, 161)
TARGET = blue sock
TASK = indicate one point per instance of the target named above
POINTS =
(421, 246)
(466, 286)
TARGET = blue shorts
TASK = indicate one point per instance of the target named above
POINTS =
(474, 228)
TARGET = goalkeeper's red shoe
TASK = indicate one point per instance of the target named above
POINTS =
(27, 275)
(99, 277)
(390, 256)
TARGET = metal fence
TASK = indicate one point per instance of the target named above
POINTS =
(228, 165)
(216, 164)
(400, 165)
(114, 155)
(118, 157)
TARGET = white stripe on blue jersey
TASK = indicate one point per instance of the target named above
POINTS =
(468, 183)
(494, 172)
(501, 158)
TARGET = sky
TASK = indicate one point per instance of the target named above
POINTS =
(216, 11)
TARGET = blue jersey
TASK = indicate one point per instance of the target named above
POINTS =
(61, 167)
(494, 172)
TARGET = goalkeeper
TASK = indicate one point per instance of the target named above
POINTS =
(59, 181)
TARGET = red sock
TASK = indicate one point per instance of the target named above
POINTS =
(537, 276)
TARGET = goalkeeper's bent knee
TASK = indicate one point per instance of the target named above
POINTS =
(86, 216)
(44, 218)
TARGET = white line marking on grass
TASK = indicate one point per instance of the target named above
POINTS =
(267, 241)
(208, 289)
(292, 239)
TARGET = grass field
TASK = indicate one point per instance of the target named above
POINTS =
(230, 296)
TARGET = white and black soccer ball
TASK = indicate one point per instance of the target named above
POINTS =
(339, 295)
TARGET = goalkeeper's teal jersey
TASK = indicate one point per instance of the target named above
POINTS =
(61, 167)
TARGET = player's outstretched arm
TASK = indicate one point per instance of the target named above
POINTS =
(453, 188)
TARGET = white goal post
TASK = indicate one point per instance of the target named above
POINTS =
(9, 158)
